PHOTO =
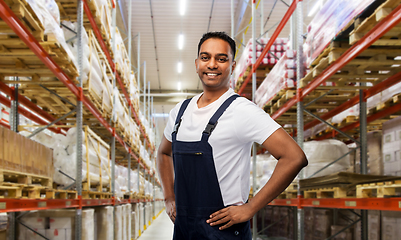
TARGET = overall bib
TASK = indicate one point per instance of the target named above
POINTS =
(196, 187)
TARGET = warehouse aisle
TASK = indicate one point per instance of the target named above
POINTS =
(160, 229)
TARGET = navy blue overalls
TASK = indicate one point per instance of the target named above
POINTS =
(196, 187)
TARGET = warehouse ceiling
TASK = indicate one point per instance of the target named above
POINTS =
(159, 24)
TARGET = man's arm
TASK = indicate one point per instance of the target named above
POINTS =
(291, 159)
(166, 172)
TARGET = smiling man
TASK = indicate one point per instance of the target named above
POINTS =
(204, 157)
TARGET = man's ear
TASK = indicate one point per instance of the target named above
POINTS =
(196, 65)
(233, 66)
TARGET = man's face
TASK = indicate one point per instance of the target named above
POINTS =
(214, 63)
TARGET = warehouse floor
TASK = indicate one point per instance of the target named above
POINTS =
(160, 229)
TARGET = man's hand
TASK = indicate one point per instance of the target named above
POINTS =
(231, 215)
(170, 209)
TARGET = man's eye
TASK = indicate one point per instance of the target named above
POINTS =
(223, 59)
(204, 58)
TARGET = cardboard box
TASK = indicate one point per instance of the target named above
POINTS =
(59, 219)
(20, 154)
(392, 167)
(59, 234)
(388, 157)
(344, 235)
(390, 225)
(374, 225)
(388, 138)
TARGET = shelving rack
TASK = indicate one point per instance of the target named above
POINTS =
(386, 24)
(42, 117)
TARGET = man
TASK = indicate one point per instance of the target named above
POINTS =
(203, 158)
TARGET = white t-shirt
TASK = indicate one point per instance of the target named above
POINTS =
(240, 125)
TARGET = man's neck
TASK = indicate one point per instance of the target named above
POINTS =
(210, 96)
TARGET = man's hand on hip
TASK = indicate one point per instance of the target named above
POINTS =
(231, 215)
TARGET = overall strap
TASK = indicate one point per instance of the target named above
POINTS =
(213, 120)
(178, 119)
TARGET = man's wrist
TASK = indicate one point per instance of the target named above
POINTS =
(169, 199)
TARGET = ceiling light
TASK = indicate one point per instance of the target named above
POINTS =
(180, 41)
(179, 67)
(182, 7)
(397, 58)
(315, 8)
(179, 86)
(395, 65)
(160, 115)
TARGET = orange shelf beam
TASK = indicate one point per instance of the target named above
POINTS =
(383, 204)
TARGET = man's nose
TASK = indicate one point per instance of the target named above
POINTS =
(212, 64)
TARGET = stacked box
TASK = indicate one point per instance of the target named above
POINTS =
(309, 219)
(392, 147)
(322, 223)
(104, 223)
(56, 224)
(344, 235)
(20, 154)
(391, 222)
(118, 223)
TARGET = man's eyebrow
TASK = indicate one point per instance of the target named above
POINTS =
(219, 54)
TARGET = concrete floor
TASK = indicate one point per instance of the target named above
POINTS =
(160, 229)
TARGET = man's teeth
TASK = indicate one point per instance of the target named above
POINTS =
(212, 74)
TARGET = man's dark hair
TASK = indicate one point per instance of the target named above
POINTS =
(219, 35)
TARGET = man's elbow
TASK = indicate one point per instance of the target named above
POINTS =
(302, 160)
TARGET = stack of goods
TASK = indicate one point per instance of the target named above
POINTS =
(95, 78)
(145, 157)
(122, 221)
(281, 77)
(148, 189)
(94, 151)
(20, 155)
(125, 124)
(56, 224)
(330, 20)
(319, 154)
(134, 94)
(392, 147)
(121, 59)
(276, 52)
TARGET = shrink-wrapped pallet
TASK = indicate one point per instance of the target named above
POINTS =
(281, 77)
(271, 58)
(64, 154)
(118, 231)
(330, 20)
(318, 153)
(104, 222)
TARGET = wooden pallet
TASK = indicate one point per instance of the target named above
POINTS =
(363, 27)
(68, 12)
(96, 195)
(15, 190)
(14, 177)
(379, 189)
(61, 194)
(330, 192)
(27, 16)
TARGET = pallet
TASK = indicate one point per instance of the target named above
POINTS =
(379, 189)
(14, 177)
(27, 16)
(14, 190)
(61, 194)
(370, 22)
(330, 192)
(68, 12)
(96, 195)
